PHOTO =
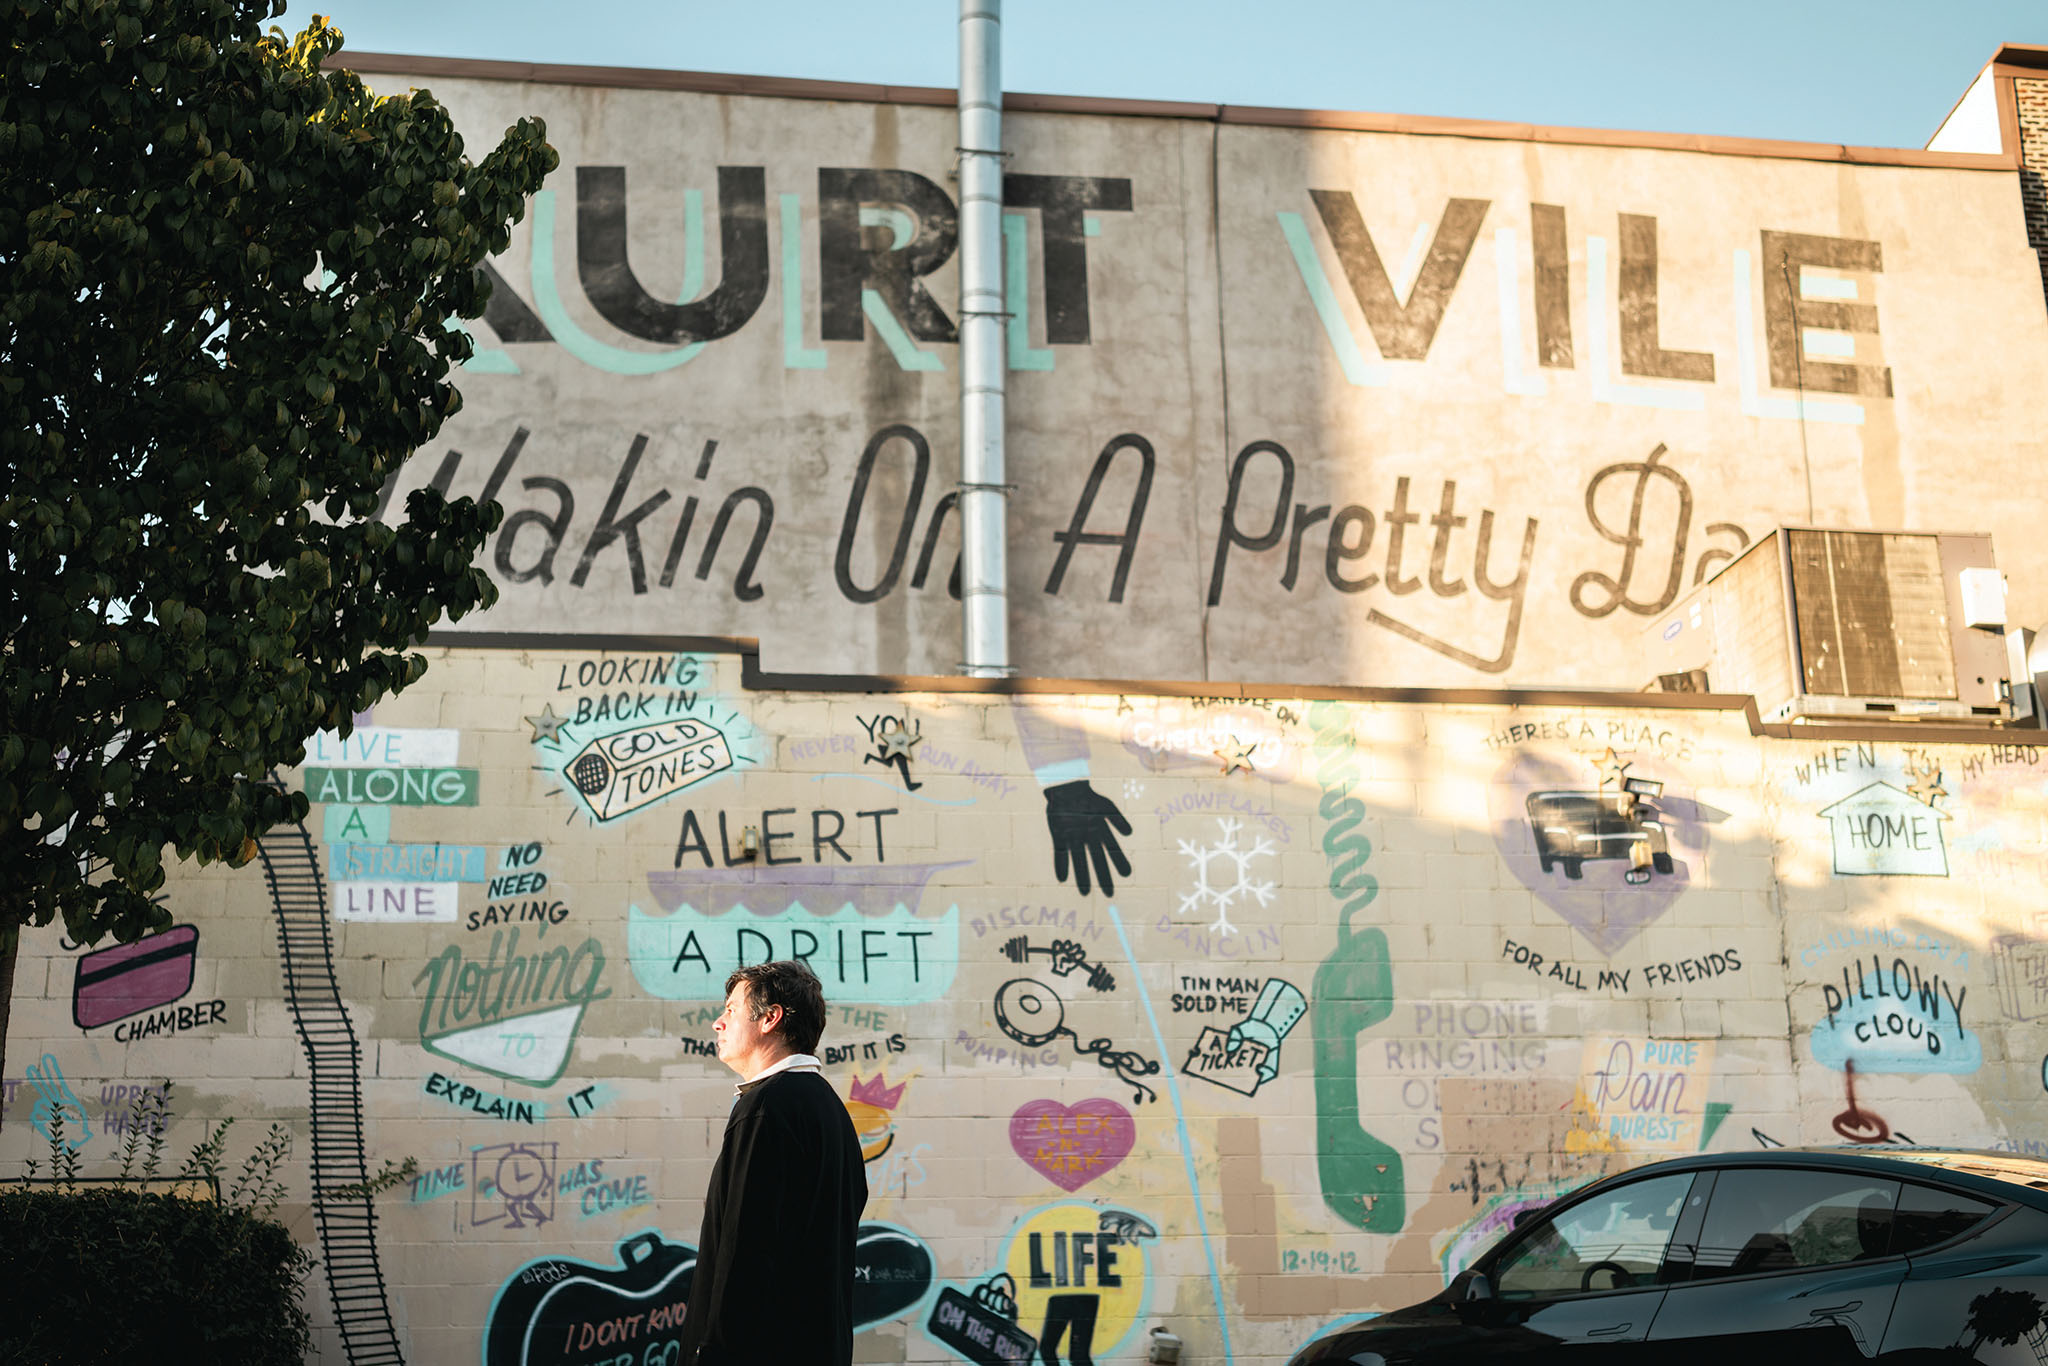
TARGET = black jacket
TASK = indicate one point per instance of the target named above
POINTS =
(773, 1285)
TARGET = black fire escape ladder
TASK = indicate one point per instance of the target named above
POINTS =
(348, 1222)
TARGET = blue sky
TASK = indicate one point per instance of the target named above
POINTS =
(1874, 73)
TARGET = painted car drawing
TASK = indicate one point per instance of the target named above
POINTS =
(1573, 828)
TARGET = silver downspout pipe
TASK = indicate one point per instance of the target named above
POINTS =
(984, 568)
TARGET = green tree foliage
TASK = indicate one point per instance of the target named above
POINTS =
(99, 1274)
(227, 280)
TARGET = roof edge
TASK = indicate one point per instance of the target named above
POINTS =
(754, 678)
(2033, 56)
(782, 87)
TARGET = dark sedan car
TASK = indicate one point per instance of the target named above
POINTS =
(1904, 1256)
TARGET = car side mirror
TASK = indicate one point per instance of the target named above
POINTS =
(1523, 1216)
(1471, 1285)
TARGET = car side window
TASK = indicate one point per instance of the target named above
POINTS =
(1784, 1219)
(1928, 1216)
(1610, 1241)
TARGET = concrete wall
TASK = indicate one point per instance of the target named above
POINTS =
(536, 886)
(1328, 405)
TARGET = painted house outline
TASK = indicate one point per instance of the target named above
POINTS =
(1915, 857)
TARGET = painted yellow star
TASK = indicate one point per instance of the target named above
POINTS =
(898, 741)
(1612, 766)
(1235, 756)
(547, 726)
(1929, 788)
(1926, 784)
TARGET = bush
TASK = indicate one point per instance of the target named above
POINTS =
(114, 1275)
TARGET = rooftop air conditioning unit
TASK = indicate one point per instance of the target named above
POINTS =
(1838, 625)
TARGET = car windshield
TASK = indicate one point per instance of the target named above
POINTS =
(1613, 1239)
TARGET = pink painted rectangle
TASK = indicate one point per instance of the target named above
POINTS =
(127, 979)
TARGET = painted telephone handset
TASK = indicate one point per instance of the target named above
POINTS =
(1353, 991)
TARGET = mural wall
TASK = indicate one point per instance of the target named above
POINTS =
(1240, 1014)
(1302, 403)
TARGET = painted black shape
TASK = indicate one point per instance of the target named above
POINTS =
(1228, 534)
(617, 294)
(1572, 829)
(1617, 587)
(1067, 955)
(347, 1223)
(1787, 314)
(847, 264)
(556, 526)
(1304, 518)
(743, 586)
(1062, 1314)
(892, 1273)
(1642, 351)
(1061, 201)
(1127, 539)
(1401, 330)
(941, 510)
(1081, 821)
(610, 526)
(1034, 1015)
(1553, 285)
(1716, 555)
(1514, 593)
(982, 1328)
(543, 1311)
(674, 558)
(507, 314)
(856, 498)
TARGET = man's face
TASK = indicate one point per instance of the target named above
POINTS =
(743, 1041)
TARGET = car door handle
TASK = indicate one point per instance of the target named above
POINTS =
(1614, 1331)
(1851, 1307)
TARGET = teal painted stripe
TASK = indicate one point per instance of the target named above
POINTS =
(1187, 1147)
(1748, 365)
(1825, 341)
(483, 360)
(1349, 358)
(1017, 296)
(907, 352)
(1825, 286)
(795, 355)
(547, 301)
(900, 224)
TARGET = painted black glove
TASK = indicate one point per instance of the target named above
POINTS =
(1080, 820)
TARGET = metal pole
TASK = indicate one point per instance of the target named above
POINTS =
(984, 570)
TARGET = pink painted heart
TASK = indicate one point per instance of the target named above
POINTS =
(1072, 1145)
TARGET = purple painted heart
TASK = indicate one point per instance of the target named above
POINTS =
(1071, 1145)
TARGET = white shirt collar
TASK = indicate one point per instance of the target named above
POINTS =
(795, 1062)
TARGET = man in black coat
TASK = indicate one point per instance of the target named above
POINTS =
(773, 1284)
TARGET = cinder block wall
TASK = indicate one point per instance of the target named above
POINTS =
(1375, 979)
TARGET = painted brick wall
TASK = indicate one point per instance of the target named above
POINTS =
(2032, 100)
(1376, 978)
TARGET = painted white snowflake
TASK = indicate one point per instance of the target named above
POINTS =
(1133, 790)
(1223, 874)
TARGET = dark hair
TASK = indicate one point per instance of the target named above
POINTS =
(794, 987)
